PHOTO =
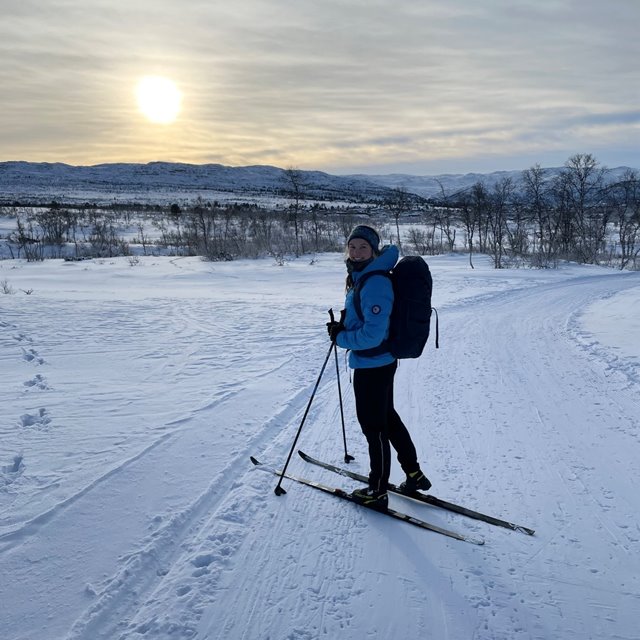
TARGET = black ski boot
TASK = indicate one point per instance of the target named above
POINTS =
(415, 481)
(371, 498)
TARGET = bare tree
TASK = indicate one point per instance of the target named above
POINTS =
(444, 220)
(537, 206)
(444, 217)
(467, 216)
(399, 203)
(583, 219)
(624, 200)
(481, 204)
(29, 240)
(295, 182)
(420, 241)
(499, 205)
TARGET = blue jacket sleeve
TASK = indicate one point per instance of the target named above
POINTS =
(376, 301)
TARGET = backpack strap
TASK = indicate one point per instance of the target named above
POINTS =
(358, 287)
(434, 310)
(357, 304)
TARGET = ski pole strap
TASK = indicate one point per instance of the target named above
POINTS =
(434, 310)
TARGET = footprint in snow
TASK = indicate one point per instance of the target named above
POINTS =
(11, 471)
(31, 355)
(38, 382)
(38, 420)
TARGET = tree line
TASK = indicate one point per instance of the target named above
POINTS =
(212, 230)
(577, 214)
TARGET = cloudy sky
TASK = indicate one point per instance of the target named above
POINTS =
(344, 86)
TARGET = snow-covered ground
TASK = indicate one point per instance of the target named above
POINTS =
(133, 395)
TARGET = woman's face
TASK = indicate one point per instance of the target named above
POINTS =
(359, 250)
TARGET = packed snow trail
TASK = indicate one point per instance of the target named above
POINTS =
(518, 419)
(133, 398)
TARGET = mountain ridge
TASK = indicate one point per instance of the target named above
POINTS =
(162, 182)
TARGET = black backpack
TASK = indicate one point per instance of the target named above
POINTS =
(411, 314)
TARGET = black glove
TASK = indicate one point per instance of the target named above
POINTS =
(333, 329)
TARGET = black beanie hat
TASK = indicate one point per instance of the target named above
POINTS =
(366, 233)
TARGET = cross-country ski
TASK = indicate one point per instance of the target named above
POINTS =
(421, 497)
(340, 493)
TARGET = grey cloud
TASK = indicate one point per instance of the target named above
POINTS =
(310, 80)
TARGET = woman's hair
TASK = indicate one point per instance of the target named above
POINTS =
(348, 284)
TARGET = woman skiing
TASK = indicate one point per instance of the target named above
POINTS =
(363, 327)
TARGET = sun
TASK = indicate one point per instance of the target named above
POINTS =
(158, 99)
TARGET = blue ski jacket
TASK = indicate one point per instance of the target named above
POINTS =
(376, 300)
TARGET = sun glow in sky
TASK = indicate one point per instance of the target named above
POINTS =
(347, 86)
(158, 99)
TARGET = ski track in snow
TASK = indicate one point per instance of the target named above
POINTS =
(141, 567)
(550, 389)
(162, 529)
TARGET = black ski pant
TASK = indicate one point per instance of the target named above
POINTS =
(381, 424)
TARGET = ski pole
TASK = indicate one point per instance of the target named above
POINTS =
(279, 490)
(347, 457)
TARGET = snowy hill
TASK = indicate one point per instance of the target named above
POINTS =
(165, 183)
(133, 396)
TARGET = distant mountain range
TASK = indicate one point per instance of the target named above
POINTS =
(450, 183)
(166, 182)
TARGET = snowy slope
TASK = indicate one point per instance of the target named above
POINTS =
(168, 182)
(133, 396)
